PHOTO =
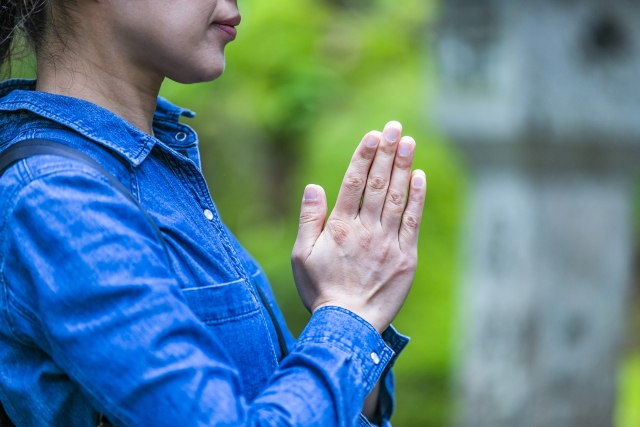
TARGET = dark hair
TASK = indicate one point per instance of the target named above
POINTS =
(21, 18)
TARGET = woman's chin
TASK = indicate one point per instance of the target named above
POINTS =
(198, 74)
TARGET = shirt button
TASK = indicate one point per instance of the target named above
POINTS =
(375, 358)
(208, 214)
(180, 136)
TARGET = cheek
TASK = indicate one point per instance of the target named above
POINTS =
(188, 54)
(176, 38)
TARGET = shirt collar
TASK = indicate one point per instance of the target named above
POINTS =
(90, 120)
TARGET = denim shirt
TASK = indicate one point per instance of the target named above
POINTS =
(95, 319)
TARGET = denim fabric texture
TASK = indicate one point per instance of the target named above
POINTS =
(94, 320)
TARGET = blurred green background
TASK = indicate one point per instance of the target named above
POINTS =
(305, 80)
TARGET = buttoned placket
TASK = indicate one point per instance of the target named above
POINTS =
(200, 189)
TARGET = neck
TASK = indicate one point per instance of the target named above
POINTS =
(95, 71)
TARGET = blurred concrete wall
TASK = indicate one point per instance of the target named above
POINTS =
(543, 97)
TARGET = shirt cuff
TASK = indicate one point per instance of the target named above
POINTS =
(386, 401)
(352, 334)
(396, 341)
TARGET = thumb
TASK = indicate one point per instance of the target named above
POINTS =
(312, 216)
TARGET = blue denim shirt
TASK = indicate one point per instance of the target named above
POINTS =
(95, 320)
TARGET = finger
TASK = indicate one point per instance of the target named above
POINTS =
(380, 173)
(312, 216)
(408, 234)
(399, 186)
(350, 195)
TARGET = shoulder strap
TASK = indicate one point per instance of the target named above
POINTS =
(34, 147)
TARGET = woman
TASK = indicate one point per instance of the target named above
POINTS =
(103, 318)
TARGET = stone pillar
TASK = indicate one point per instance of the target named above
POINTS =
(543, 98)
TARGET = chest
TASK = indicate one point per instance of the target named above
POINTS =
(218, 279)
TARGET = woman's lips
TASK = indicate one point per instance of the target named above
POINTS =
(230, 30)
(228, 25)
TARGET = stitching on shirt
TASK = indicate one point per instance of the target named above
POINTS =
(397, 343)
(377, 370)
(13, 84)
(177, 172)
(24, 311)
(383, 352)
(5, 310)
(215, 285)
(27, 169)
(217, 320)
(24, 162)
(330, 342)
(17, 334)
(363, 422)
(355, 316)
(133, 182)
(264, 320)
(171, 123)
(85, 131)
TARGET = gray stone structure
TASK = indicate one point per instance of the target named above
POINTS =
(543, 98)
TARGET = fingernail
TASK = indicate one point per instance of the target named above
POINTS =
(392, 134)
(418, 181)
(372, 141)
(310, 194)
(405, 148)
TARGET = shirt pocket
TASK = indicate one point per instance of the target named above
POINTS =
(233, 314)
(222, 302)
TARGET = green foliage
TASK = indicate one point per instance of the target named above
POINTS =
(305, 80)
(628, 408)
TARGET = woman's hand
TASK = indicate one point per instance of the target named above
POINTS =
(365, 257)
